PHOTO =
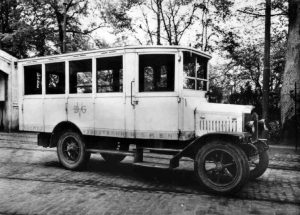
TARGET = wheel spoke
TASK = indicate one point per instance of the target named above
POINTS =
(75, 147)
(221, 157)
(228, 173)
(228, 165)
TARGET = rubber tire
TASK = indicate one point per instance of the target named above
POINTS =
(262, 166)
(240, 158)
(84, 156)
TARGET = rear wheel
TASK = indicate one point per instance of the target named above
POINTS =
(71, 151)
(259, 165)
(221, 167)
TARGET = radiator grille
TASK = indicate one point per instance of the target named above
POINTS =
(218, 125)
(207, 122)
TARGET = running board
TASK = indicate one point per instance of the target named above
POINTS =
(114, 152)
(152, 165)
(162, 150)
(138, 156)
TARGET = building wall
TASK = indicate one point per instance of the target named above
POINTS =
(9, 84)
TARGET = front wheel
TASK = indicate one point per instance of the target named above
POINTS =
(221, 167)
(259, 165)
(71, 151)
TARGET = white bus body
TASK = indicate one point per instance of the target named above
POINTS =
(166, 115)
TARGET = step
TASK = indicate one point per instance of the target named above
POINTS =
(152, 165)
(163, 149)
(114, 152)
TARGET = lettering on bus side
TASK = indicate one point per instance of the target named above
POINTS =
(80, 109)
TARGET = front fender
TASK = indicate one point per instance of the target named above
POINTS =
(261, 145)
(239, 138)
(191, 149)
(235, 137)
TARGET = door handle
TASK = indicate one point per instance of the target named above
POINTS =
(131, 90)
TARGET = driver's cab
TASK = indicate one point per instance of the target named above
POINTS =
(167, 80)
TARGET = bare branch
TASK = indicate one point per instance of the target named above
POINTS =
(259, 14)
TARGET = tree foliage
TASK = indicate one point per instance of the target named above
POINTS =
(240, 74)
(36, 27)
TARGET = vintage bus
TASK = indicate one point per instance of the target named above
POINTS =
(124, 101)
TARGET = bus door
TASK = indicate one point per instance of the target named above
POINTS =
(155, 102)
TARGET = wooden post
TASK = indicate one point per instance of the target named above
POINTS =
(296, 117)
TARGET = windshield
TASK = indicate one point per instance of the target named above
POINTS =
(195, 71)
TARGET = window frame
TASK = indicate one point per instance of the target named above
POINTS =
(68, 76)
(42, 82)
(105, 55)
(66, 86)
(157, 93)
(104, 94)
(195, 78)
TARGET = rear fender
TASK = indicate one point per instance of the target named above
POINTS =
(59, 129)
(51, 139)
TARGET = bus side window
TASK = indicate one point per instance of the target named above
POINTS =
(33, 79)
(110, 74)
(80, 76)
(55, 78)
(156, 72)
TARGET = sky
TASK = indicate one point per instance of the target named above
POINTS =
(250, 32)
(108, 35)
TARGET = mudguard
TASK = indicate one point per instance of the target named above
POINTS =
(235, 137)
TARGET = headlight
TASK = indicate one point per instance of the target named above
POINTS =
(257, 129)
(249, 127)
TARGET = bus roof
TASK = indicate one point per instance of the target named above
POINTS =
(115, 50)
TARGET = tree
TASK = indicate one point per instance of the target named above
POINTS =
(213, 14)
(243, 66)
(37, 27)
(292, 65)
(266, 79)
(15, 35)
(53, 11)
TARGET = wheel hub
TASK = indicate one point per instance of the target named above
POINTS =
(219, 166)
(71, 147)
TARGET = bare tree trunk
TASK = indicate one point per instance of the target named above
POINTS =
(266, 77)
(292, 64)
(65, 29)
(169, 33)
(158, 4)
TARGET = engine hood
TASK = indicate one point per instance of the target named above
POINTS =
(224, 108)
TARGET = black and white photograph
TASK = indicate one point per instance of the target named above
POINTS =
(149, 107)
